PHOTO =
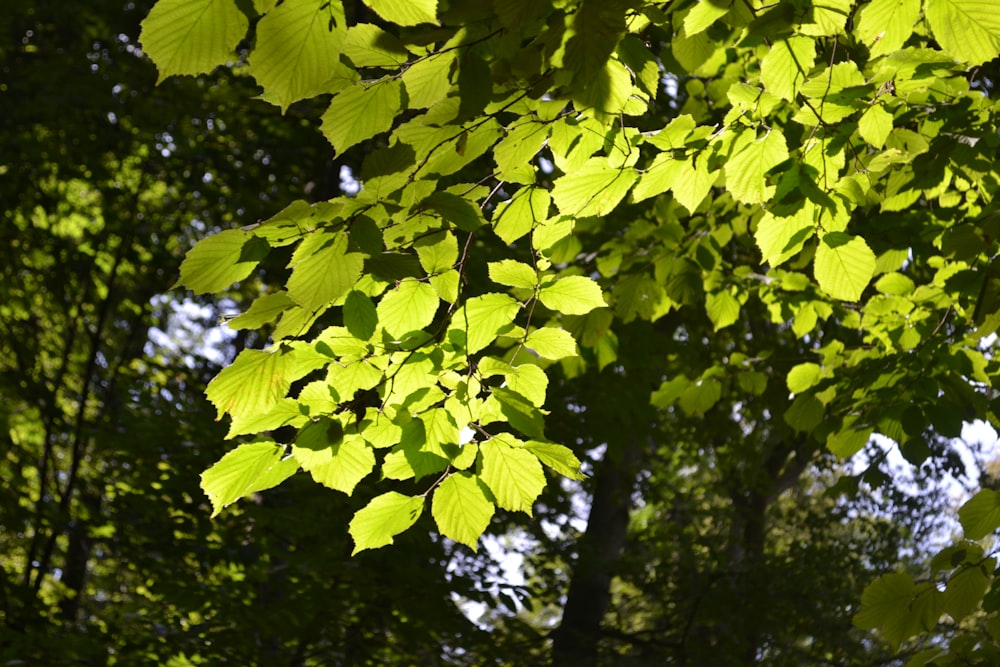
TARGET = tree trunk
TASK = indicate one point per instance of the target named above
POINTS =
(576, 641)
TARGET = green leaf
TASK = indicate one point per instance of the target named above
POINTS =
(884, 25)
(572, 295)
(297, 49)
(787, 64)
(551, 343)
(722, 308)
(559, 458)
(265, 308)
(382, 519)
(658, 178)
(848, 442)
(844, 266)
(515, 151)
(966, 589)
(875, 125)
(245, 470)
(367, 45)
(520, 411)
(967, 30)
(252, 384)
(438, 252)
(745, 173)
(459, 211)
(323, 270)
(980, 516)
(428, 80)
(512, 473)
(898, 607)
(410, 306)
(362, 111)
(805, 413)
(340, 466)
(192, 36)
(360, 315)
(462, 508)
(516, 217)
(513, 274)
(780, 238)
(220, 260)
(693, 182)
(704, 14)
(405, 12)
(701, 396)
(482, 319)
(803, 377)
(593, 189)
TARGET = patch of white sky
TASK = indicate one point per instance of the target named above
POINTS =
(189, 332)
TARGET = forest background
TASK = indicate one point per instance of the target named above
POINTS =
(591, 333)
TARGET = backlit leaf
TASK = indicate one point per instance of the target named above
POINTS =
(218, 261)
(745, 173)
(245, 470)
(512, 473)
(572, 295)
(360, 112)
(787, 64)
(408, 307)
(462, 508)
(844, 266)
(980, 516)
(884, 25)
(192, 36)
(323, 270)
(482, 319)
(383, 518)
(298, 48)
(968, 30)
(513, 274)
(551, 343)
(405, 12)
(252, 384)
(593, 189)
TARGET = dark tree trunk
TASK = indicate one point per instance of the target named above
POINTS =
(576, 641)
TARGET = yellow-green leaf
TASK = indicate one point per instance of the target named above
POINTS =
(551, 343)
(383, 518)
(192, 36)
(967, 30)
(218, 261)
(513, 274)
(884, 25)
(512, 473)
(516, 217)
(844, 265)
(482, 319)
(323, 270)
(405, 12)
(572, 295)
(368, 45)
(787, 64)
(360, 112)
(408, 307)
(247, 469)
(297, 50)
(559, 458)
(593, 189)
(745, 173)
(252, 384)
(461, 508)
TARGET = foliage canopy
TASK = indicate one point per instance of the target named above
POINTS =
(804, 189)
